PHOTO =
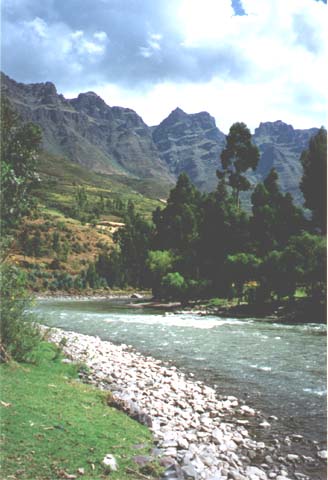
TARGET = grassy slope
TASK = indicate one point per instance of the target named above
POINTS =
(55, 424)
(61, 177)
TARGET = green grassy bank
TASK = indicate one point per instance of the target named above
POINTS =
(52, 426)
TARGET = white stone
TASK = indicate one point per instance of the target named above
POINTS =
(322, 454)
(292, 458)
(265, 424)
(255, 473)
(183, 443)
(109, 462)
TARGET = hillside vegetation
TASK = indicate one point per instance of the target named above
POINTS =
(76, 215)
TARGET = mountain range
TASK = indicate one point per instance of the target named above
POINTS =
(115, 140)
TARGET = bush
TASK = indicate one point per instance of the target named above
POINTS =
(173, 286)
(19, 334)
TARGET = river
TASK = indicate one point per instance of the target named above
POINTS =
(278, 368)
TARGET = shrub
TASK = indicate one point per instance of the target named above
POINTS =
(19, 334)
(173, 286)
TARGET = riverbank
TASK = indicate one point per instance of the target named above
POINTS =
(199, 434)
(296, 311)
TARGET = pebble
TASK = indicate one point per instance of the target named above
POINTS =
(322, 454)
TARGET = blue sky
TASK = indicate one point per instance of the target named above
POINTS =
(245, 60)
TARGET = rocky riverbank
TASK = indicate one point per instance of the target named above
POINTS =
(199, 435)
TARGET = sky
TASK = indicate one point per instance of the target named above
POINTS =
(239, 60)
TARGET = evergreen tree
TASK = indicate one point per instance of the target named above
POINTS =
(134, 242)
(223, 231)
(275, 218)
(177, 225)
(314, 180)
(238, 156)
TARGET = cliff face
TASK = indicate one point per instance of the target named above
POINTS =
(116, 140)
(191, 144)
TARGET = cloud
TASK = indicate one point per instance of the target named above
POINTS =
(252, 57)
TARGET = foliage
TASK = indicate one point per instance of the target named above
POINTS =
(237, 157)
(178, 223)
(159, 262)
(275, 218)
(314, 180)
(126, 264)
(242, 268)
(20, 143)
(223, 231)
(19, 335)
(173, 286)
(306, 257)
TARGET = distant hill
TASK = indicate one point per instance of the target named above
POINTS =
(116, 141)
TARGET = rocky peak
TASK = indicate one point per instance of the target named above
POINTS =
(90, 103)
(175, 116)
(278, 130)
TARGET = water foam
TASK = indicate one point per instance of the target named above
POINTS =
(175, 321)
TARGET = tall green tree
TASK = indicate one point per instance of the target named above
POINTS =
(314, 179)
(20, 143)
(134, 241)
(275, 217)
(223, 231)
(177, 225)
(237, 157)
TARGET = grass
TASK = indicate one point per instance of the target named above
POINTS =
(52, 425)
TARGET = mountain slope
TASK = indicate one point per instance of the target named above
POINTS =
(280, 147)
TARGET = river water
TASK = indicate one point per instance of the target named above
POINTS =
(278, 368)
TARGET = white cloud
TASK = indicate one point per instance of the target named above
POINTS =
(153, 45)
(101, 36)
(39, 26)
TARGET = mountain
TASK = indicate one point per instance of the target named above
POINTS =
(89, 132)
(116, 141)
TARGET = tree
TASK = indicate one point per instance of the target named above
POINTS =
(177, 225)
(314, 179)
(134, 241)
(237, 157)
(20, 144)
(306, 256)
(223, 231)
(275, 218)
